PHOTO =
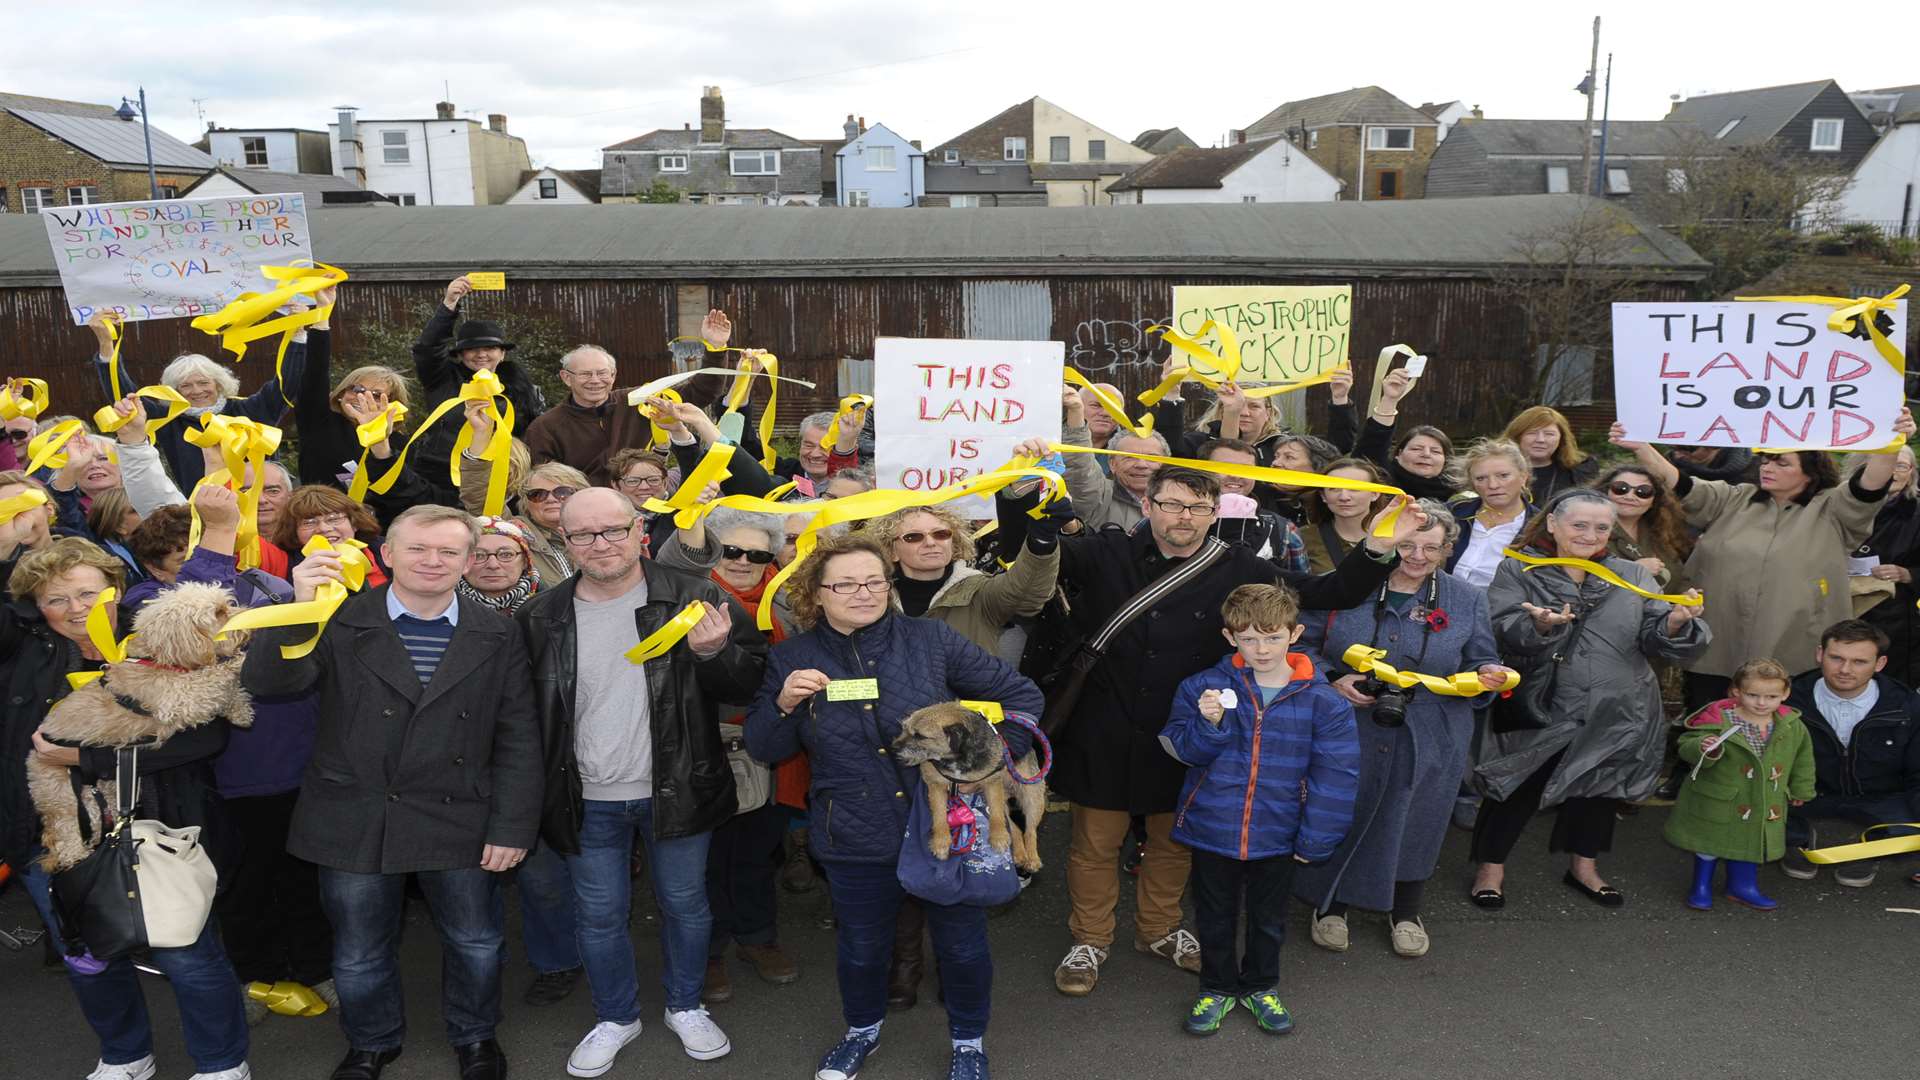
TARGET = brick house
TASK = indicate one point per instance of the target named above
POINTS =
(1072, 161)
(715, 165)
(1375, 143)
(73, 153)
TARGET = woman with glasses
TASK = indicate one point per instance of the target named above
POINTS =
(318, 510)
(641, 475)
(502, 575)
(1414, 743)
(1649, 527)
(543, 491)
(887, 666)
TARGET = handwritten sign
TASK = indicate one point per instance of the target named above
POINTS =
(950, 410)
(1762, 374)
(1286, 332)
(487, 280)
(172, 258)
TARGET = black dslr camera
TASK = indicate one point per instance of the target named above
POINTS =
(1389, 701)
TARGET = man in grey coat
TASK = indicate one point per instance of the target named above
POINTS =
(427, 762)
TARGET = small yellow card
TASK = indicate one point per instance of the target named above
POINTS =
(487, 280)
(853, 689)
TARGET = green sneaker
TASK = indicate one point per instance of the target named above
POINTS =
(1207, 1013)
(1273, 1017)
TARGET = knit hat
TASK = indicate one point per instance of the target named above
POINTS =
(511, 529)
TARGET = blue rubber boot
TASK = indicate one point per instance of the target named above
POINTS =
(1701, 898)
(1743, 886)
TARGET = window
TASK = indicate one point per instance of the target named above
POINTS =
(1557, 180)
(1676, 179)
(952, 156)
(1387, 184)
(619, 159)
(402, 198)
(1243, 198)
(549, 189)
(1389, 138)
(3, 200)
(82, 194)
(755, 162)
(1313, 140)
(857, 197)
(879, 159)
(673, 163)
(168, 191)
(35, 199)
(1617, 182)
(958, 201)
(253, 151)
(697, 200)
(1059, 148)
(1826, 134)
(1013, 148)
(1096, 149)
(393, 148)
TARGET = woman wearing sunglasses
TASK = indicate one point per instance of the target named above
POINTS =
(543, 491)
(1650, 528)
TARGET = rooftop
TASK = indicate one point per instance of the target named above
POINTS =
(1191, 168)
(1360, 105)
(262, 182)
(1748, 117)
(1559, 138)
(116, 141)
(734, 139)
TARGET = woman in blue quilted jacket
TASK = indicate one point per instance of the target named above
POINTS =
(839, 691)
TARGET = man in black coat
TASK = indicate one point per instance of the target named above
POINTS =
(1865, 729)
(443, 360)
(1109, 763)
(635, 748)
(427, 762)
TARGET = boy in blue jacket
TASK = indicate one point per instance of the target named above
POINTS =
(1258, 729)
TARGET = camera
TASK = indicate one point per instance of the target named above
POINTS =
(1389, 702)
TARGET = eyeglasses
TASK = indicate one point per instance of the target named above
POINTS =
(848, 588)
(501, 557)
(371, 391)
(642, 481)
(586, 539)
(19, 436)
(560, 494)
(1638, 491)
(752, 555)
(324, 520)
(1175, 508)
(939, 536)
(792, 539)
(1408, 551)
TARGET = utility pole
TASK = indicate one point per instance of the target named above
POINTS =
(1606, 112)
(1588, 87)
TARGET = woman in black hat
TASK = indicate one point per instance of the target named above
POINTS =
(444, 358)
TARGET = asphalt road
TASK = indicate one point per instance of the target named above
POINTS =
(1552, 987)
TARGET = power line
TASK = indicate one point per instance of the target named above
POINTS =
(779, 82)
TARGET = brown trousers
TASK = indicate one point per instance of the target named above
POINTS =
(1093, 883)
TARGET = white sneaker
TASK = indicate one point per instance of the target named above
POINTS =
(238, 1072)
(700, 1037)
(595, 1054)
(132, 1070)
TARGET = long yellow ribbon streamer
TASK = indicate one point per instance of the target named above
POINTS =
(30, 402)
(669, 635)
(108, 419)
(1259, 472)
(244, 444)
(685, 504)
(741, 388)
(100, 632)
(326, 599)
(14, 505)
(1536, 561)
(1867, 849)
(848, 405)
(371, 434)
(1367, 660)
(1114, 406)
(44, 449)
(483, 386)
(245, 319)
(112, 323)
(645, 390)
(1858, 309)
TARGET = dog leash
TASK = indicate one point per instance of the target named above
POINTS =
(1040, 739)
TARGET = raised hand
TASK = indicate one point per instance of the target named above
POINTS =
(457, 289)
(716, 329)
(1341, 385)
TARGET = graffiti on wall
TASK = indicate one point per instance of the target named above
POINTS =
(1110, 345)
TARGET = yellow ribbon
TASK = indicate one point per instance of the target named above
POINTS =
(287, 998)
(685, 504)
(14, 505)
(669, 635)
(245, 319)
(743, 386)
(243, 444)
(648, 389)
(1367, 660)
(1213, 369)
(1865, 848)
(1858, 309)
(845, 412)
(44, 449)
(112, 323)
(483, 386)
(782, 491)
(108, 419)
(1114, 406)
(657, 434)
(30, 402)
(989, 709)
(1380, 366)
(100, 632)
(1259, 472)
(372, 434)
(1535, 561)
(326, 599)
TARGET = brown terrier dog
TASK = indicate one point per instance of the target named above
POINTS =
(952, 744)
(178, 675)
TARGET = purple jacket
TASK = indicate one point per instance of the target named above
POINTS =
(270, 757)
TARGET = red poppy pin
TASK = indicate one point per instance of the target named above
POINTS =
(1437, 619)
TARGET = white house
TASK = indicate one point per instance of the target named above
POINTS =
(1266, 171)
(445, 161)
(1446, 114)
(557, 187)
(281, 150)
(878, 168)
(1885, 188)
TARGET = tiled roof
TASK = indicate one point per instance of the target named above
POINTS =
(1361, 105)
(1625, 138)
(978, 179)
(1192, 168)
(1163, 140)
(734, 139)
(116, 141)
(1756, 115)
(263, 182)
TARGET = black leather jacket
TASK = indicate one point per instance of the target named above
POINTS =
(692, 781)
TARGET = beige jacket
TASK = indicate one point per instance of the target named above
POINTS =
(980, 605)
(1097, 499)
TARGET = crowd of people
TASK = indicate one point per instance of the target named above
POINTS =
(1256, 692)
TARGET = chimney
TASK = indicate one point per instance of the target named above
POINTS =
(915, 143)
(713, 116)
(497, 122)
(1477, 114)
(863, 125)
(851, 129)
(443, 110)
(350, 151)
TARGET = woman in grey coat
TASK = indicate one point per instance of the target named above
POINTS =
(1601, 738)
(1431, 622)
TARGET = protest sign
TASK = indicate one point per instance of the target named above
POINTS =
(1286, 332)
(1753, 374)
(172, 258)
(948, 410)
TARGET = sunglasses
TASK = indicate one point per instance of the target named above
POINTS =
(1640, 491)
(373, 391)
(939, 535)
(752, 555)
(561, 494)
(19, 436)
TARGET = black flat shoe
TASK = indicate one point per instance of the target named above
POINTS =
(482, 1061)
(364, 1064)
(1606, 895)
(1488, 899)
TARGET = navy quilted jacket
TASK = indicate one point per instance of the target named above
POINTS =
(858, 801)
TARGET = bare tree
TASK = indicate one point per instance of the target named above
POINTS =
(1742, 208)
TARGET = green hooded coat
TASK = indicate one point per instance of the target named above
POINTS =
(1734, 805)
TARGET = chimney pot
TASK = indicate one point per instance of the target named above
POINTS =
(497, 122)
(1477, 114)
(863, 123)
(443, 110)
(713, 116)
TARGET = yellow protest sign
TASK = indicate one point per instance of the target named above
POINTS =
(487, 280)
(1285, 333)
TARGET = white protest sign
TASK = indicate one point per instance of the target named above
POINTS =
(948, 410)
(1754, 374)
(172, 258)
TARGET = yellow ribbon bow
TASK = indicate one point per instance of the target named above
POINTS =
(483, 386)
(44, 449)
(657, 434)
(30, 402)
(14, 505)
(1372, 661)
(326, 599)
(287, 998)
(245, 319)
(369, 435)
(100, 631)
(1865, 848)
(244, 445)
(108, 419)
(1260, 472)
(1534, 562)
(1860, 309)
(669, 635)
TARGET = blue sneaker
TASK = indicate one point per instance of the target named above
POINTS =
(1273, 1017)
(968, 1064)
(1208, 1010)
(844, 1060)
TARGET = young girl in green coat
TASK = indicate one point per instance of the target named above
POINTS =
(1751, 758)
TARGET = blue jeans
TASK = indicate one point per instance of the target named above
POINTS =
(367, 911)
(546, 911)
(866, 897)
(603, 893)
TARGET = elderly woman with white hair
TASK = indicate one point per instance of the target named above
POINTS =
(209, 387)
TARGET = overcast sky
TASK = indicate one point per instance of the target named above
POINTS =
(581, 75)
